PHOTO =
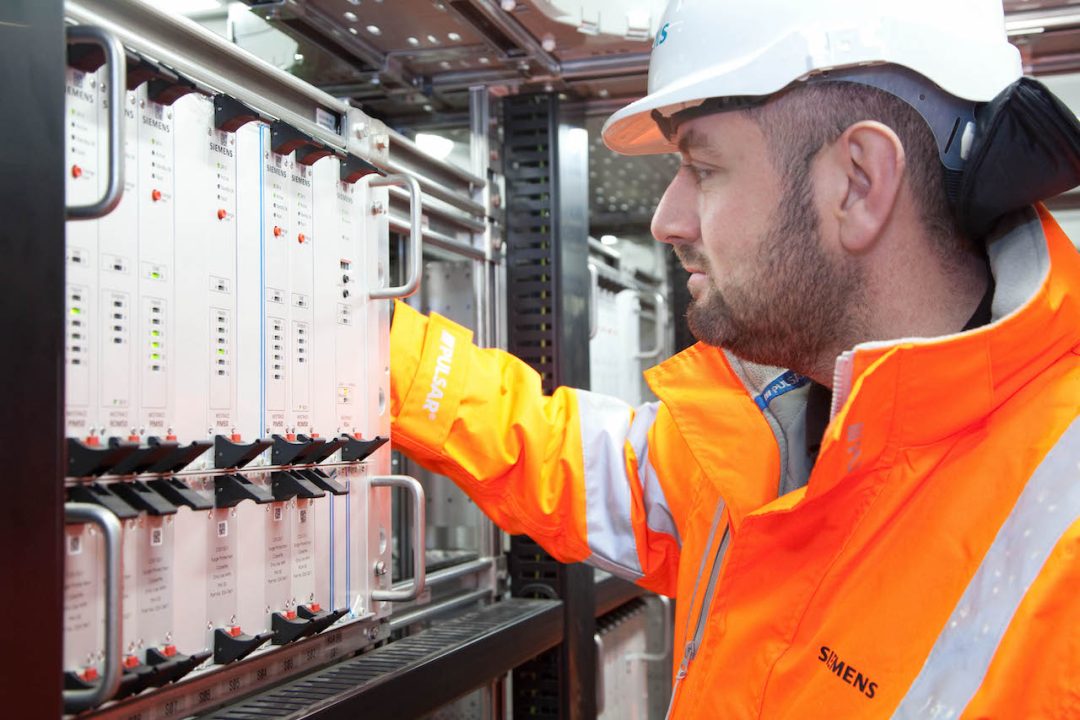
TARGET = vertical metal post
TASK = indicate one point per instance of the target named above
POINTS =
(32, 368)
(485, 271)
(480, 153)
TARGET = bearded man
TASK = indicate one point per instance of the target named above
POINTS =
(863, 484)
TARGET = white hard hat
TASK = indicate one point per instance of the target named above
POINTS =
(738, 48)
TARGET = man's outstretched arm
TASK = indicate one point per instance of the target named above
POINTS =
(571, 470)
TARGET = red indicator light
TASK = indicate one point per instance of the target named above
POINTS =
(90, 674)
(133, 438)
(168, 650)
(314, 435)
(155, 195)
(93, 441)
(290, 614)
(76, 172)
(291, 437)
(170, 438)
(235, 437)
(277, 231)
(234, 631)
(315, 607)
(221, 214)
(301, 238)
(131, 661)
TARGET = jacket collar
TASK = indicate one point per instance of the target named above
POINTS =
(917, 391)
(709, 401)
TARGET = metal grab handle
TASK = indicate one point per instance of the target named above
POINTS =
(416, 235)
(666, 643)
(79, 700)
(661, 328)
(419, 527)
(594, 301)
(601, 694)
(116, 63)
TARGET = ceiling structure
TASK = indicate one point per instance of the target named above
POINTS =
(416, 59)
(411, 62)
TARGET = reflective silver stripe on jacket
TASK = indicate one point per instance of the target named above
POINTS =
(957, 664)
(605, 429)
(658, 516)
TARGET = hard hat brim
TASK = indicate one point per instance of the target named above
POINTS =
(633, 131)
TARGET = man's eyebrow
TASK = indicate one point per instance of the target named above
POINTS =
(689, 141)
(692, 140)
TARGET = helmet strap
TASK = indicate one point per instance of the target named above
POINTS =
(951, 119)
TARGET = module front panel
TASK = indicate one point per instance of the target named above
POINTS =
(226, 388)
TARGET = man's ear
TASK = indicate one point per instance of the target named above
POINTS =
(867, 172)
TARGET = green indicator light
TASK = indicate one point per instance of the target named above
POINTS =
(155, 345)
(220, 352)
(155, 356)
(155, 275)
(76, 311)
(155, 333)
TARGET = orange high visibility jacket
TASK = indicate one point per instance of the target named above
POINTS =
(927, 567)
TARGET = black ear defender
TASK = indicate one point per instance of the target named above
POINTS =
(1026, 149)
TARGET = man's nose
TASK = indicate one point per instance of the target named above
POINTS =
(675, 221)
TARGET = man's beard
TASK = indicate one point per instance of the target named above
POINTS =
(799, 303)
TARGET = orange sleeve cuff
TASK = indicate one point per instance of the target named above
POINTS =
(427, 389)
(407, 334)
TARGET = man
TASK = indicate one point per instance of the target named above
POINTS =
(909, 551)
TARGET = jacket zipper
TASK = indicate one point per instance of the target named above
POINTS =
(691, 648)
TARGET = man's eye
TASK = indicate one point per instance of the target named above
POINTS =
(699, 174)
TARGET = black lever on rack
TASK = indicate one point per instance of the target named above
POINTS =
(87, 459)
(99, 494)
(320, 479)
(355, 449)
(179, 493)
(286, 451)
(179, 457)
(230, 114)
(322, 619)
(135, 679)
(170, 668)
(141, 496)
(290, 629)
(311, 448)
(354, 168)
(230, 453)
(284, 139)
(324, 449)
(286, 484)
(231, 645)
(168, 87)
(142, 459)
(231, 490)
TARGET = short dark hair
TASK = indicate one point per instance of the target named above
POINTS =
(800, 121)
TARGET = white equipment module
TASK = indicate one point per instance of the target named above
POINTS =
(226, 356)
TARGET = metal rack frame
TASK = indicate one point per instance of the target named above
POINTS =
(31, 374)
